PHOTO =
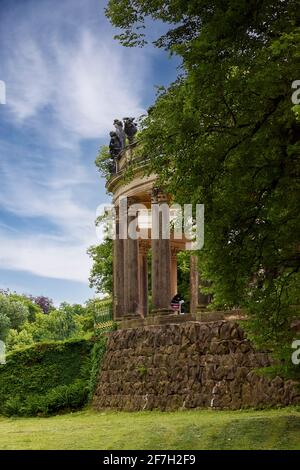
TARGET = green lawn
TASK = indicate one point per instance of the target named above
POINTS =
(273, 429)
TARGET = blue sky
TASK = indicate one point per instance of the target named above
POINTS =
(66, 80)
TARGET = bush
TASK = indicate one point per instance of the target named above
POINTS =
(37, 370)
(49, 378)
(61, 398)
(97, 355)
(18, 340)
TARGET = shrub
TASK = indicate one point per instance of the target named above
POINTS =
(61, 398)
(97, 355)
(38, 369)
(17, 340)
(49, 378)
(12, 406)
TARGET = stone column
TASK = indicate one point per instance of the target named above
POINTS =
(118, 272)
(161, 259)
(143, 279)
(131, 278)
(194, 284)
(174, 252)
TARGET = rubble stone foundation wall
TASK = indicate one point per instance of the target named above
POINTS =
(189, 365)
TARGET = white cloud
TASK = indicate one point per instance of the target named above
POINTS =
(45, 256)
(66, 81)
(46, 189)
(59, 249)
(82, 76)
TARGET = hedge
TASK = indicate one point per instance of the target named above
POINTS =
(45, 370)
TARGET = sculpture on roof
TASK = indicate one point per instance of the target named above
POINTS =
(120, 132)
(118, 139)
(115, 145)
(130, 128)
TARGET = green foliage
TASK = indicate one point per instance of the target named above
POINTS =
(66, 322)
(18, 339)
(243, 21)
(45, 375)
(57, 325)
(183, 281)
(23, 322)
(62, 398)
(13, 314)
(104, 162)
(132, 16)
(226, 134)
(97, 356)
(42, 377)
(143, 371)
(69, 321)
(4, 325)
(84, 323)
(72, 310)
(101, 276)
(33, 308)
(271, 311)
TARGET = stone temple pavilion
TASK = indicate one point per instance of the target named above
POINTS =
(130, 267)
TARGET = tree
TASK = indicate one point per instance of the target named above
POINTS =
(13, 314)
(58, 325)
(33, 307)
(101, 277)
(62, 324)
(104, 162)
(226, 134)
(44, 303)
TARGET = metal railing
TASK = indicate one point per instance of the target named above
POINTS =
(103, 316)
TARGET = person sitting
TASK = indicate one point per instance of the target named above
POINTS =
(177, 304)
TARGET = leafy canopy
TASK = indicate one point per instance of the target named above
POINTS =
(226, 134)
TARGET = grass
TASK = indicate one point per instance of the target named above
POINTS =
(188, 430)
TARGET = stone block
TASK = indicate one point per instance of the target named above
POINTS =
(188, 365)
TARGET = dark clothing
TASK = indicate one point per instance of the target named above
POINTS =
(178, 300)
